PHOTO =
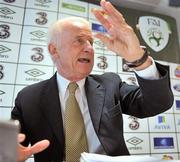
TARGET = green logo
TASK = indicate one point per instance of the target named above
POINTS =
(73, 7)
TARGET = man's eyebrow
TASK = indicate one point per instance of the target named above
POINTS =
(79, 36)
(85, 36)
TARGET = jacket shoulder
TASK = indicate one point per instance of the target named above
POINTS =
(34, 90)
(106, 77)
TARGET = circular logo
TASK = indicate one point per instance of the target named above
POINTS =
(177, 87)
(177, 72)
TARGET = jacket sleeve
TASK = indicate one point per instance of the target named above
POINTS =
(151, 98)
(17, 114)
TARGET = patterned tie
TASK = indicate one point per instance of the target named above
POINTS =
(75, 135)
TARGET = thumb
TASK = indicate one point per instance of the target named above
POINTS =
(26, 152)
(38, 147)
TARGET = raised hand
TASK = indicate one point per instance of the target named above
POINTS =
(121, 38)
(25, 152)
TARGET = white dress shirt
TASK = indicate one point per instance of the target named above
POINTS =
(93, 142)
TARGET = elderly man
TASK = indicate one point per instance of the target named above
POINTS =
(59, 122)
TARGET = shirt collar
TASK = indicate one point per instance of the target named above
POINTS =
(63, 84)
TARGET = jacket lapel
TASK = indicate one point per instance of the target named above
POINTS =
(95, 93)
(50, 105)
(51, 108)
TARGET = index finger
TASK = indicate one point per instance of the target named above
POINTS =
(39, 146)
(99, 14)
(112, 12)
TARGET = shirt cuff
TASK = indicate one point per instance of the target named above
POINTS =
(150, 72)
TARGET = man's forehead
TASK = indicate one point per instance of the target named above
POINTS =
(78, 27)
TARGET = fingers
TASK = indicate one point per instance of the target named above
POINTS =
(109, 16)
(100, 15)
(112, 13)
(105, 39)
(121, 37)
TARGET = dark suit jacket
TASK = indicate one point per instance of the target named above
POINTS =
(37, 107)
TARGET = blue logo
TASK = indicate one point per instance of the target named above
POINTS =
(178, 104)
(178, 123)
(161, 119)
(177, 87)
(163, 143)
(98, 28)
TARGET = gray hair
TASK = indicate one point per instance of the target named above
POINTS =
(55, 29)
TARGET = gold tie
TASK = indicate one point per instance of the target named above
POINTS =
(75, 134)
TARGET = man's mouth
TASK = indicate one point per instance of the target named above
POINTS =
(84, 60)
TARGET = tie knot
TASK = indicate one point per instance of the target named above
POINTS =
(72, 87)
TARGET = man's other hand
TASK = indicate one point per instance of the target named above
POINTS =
(25, 152)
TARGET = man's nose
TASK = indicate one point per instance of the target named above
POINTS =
(88, 47)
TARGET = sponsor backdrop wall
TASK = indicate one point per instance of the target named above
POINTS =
(24, 60)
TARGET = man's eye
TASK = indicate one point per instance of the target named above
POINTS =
(80, 40)
(91, 42)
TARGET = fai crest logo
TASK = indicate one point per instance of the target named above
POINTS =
(155, 32)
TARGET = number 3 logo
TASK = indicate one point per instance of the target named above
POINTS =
(1, 73)
(4, 31)
(103, 62)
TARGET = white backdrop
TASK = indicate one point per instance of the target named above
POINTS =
(24, 60)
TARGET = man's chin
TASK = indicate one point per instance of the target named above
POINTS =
(83, 75)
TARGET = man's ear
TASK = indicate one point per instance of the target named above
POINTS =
(52, 49)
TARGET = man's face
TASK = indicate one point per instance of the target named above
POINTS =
(75, 52)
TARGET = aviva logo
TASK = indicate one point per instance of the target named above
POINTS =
(161, 119)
